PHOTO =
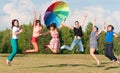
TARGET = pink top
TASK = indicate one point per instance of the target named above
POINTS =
(36, 31)
(55, 35)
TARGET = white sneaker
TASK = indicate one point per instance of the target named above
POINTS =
(62, 47)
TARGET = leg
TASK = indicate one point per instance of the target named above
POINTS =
(92, 50)
(14, 44)
(81, 49)
(112, 57)
(36, 49)
(107, 51)
(54, 50)
(70, 47)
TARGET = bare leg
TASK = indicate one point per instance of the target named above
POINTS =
(36, 49)
(54, 50)
(92, 50)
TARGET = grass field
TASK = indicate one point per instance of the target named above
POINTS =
(51, 63)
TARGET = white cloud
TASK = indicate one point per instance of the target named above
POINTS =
(111, 17)
(20, 9)
(23, 10)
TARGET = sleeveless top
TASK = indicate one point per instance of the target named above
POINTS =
(93, 37)
(36, 31)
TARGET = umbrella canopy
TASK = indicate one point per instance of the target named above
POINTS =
(56, 13)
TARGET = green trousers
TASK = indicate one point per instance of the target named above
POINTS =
(14, 44)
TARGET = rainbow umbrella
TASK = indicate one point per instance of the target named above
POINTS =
(56, 13)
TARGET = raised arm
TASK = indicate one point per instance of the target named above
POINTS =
(83, 21)
(103, 28)
(94, 22)
(34, 23)
(40, 17)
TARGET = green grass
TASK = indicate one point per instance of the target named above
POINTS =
(50, 63)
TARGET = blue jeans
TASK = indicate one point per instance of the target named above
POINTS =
(75, 42)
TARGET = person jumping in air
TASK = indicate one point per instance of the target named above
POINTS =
(37, 28)
(54, 44)
(93, 41)
(109, 44)
(16, 30)
(78, 36)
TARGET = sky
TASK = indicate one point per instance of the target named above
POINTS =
(102, 10)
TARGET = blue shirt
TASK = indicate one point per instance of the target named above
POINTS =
(109, 36)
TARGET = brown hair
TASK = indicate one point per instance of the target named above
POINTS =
(52, 25)
(111, 27)
(13, 21)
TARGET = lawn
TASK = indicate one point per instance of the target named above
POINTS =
(50, 63)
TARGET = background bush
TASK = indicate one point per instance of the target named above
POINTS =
(66, 37)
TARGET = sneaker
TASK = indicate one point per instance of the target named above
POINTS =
(62, 47)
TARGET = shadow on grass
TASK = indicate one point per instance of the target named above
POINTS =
(109, 68)
(104, 63)
(6, 55)
(64, 65)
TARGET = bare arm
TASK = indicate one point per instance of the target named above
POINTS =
(103, 28)
(83, 21)
(40, 17)
(70, 27)
(116, 35)
(94, 23)
(16, 33)
(46, 33)
(34, 23)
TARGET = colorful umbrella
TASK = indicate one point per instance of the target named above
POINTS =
(56, 13)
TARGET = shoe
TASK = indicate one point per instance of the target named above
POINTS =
(62, 47)
(8, 62)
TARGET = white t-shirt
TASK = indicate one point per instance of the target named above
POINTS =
(15, 29)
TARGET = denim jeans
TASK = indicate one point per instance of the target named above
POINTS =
(75, 42)
(109, 52)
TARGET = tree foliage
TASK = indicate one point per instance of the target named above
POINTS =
(66, 37)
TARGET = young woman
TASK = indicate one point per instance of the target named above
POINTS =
(109, 44)
(54, 44)
(16, 30)
(93, 41)
(37, 28)
(78, 36)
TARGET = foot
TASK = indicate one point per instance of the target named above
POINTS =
(62, 47)
(8, 62)
(118, 62)
(98, 63)
(45, 46)
(25, 52)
